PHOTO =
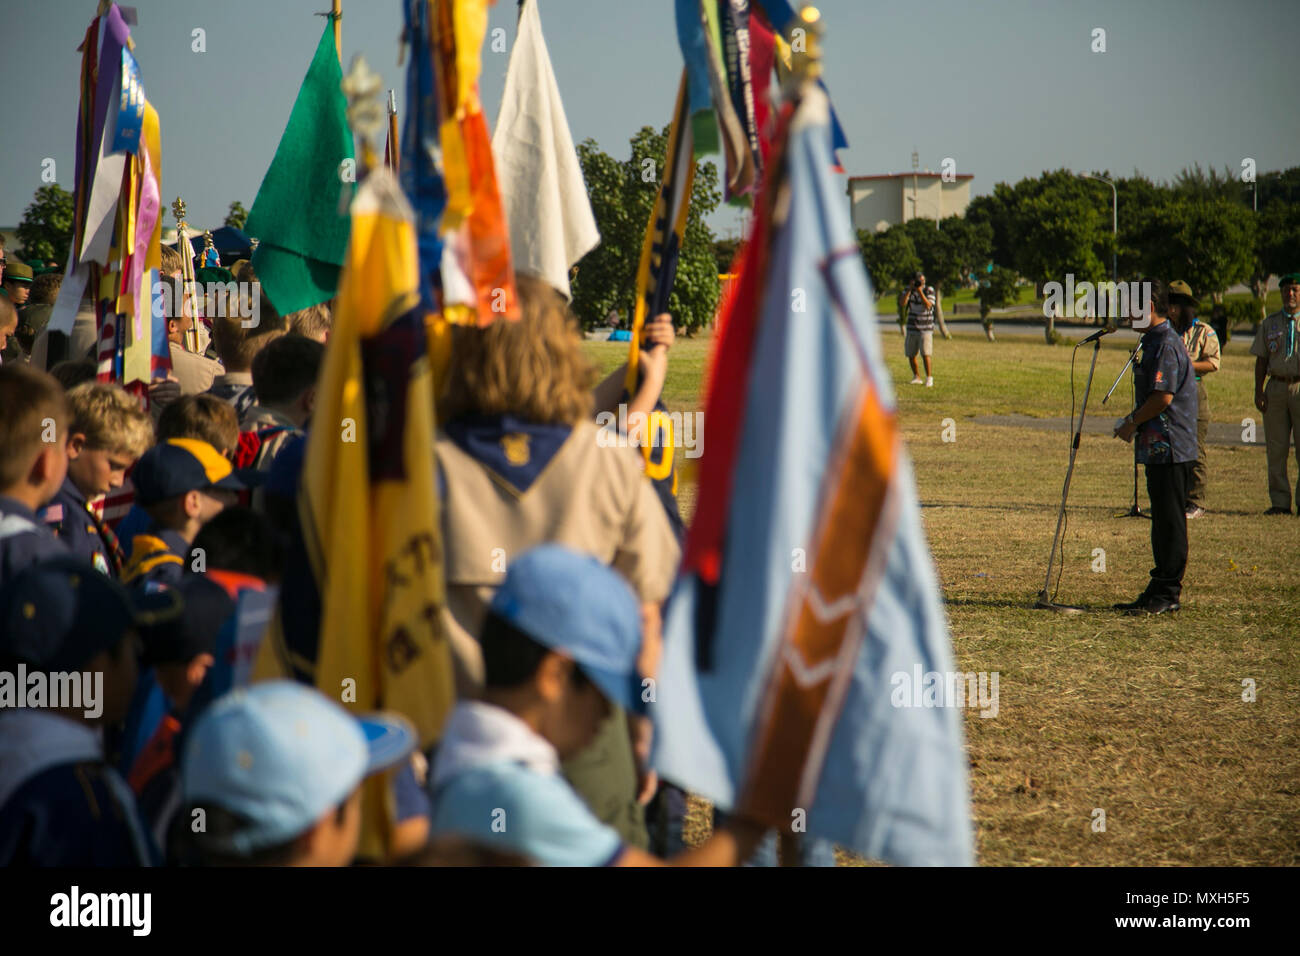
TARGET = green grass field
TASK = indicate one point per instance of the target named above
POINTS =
(1142, 719)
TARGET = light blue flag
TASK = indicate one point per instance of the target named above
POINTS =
(876, 765)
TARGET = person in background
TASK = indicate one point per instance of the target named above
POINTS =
(1203, 349)
(920, 302)
(284, 381)
(277, 771)
(1219, 322)
(237, 345)
(17, 284)
(1277, 359)
(36, 315)
(314, 322)
(106, 435)
(33, 464)
(8, 327)
(195, 372)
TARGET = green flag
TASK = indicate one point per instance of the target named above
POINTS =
(302, 235)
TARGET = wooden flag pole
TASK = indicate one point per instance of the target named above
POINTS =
(336, 17)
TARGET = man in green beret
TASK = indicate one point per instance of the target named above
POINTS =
(18, 282)
(1278, 360)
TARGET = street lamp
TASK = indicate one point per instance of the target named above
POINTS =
(1114, 224)
(931, 205)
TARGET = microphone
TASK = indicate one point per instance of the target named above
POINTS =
(1098, 334)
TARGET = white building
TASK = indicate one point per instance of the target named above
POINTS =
(878, 202)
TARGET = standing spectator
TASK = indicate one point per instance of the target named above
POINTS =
(522, 465)
(194, 372)
(1164, 424)
(921, 303)
(36, 314)
(1203, 349)
(17, 283)
(1277, 359)
(237, 344)
(284, 381)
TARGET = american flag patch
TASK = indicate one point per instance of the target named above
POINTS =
(53, 514)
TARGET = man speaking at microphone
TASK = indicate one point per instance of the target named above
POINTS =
(1164, 423)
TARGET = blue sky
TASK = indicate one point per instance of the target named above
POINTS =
(1007, 88)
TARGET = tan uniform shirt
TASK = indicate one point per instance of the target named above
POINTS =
(1275, 340)
(1202, 345)
(591, 498)
(195, 372)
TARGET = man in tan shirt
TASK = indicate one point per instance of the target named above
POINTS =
(1277, 358)
(1202, 346)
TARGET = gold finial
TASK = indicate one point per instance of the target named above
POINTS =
(366, 115)
(178, 210)
(252, 243)
(207, 239)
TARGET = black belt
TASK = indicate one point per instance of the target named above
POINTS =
(1289, 379)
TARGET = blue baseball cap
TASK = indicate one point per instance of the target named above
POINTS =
(280, 754)
(181, 465)
(575, 604)
(58, 614)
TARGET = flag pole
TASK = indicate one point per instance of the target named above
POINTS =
(336, 17)
(187, 275)
(393, 151)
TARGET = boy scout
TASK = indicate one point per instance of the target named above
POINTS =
(1277, 359)
(33, 464)
(108, 432)
(180, 484)
(1202, 346)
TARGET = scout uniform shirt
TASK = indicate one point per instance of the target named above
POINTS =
(509, 485)
(1202, 344)
(1170, 437)
(1275, 340)
(24, 539)
(74, 523)
(157, 557)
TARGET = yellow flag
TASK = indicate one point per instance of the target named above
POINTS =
(368, 497)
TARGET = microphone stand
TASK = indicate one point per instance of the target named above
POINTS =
(1044, 601)
(1134, 511)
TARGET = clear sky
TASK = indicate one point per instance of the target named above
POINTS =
(1007, 88)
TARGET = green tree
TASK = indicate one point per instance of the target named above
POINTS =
(237, 215)
(1208, 243)
(724, 250)
(46, 228)
(622, 196)
(890, 259)
(996, 289)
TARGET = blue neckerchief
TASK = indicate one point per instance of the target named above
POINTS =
(515, 450)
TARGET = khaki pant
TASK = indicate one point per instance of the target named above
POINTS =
(1281, 427)
(1196, 488)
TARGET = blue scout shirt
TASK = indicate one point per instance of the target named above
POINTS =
(60, 803)
(497, 783)
(69, 516)
(24, 539)
(1170, 437)
(157, 557)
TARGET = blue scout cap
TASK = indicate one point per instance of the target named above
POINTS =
(60, 613)
(196, 630)
(572, 603)
(280, 754)
(181, 465)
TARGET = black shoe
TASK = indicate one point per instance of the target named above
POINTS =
(1275, 510)
(1133, 606)
(1156, 606)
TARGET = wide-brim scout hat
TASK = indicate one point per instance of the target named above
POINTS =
(1181, 293)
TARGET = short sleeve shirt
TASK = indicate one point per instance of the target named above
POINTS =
(1170, 437)
(509, 807)
(1202, 344)
(919, 318)
(1275, 341)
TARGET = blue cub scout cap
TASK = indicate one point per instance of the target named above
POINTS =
(573, 603)
(281, 754)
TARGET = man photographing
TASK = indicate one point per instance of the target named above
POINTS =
(1164, 423)
(921, 303)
